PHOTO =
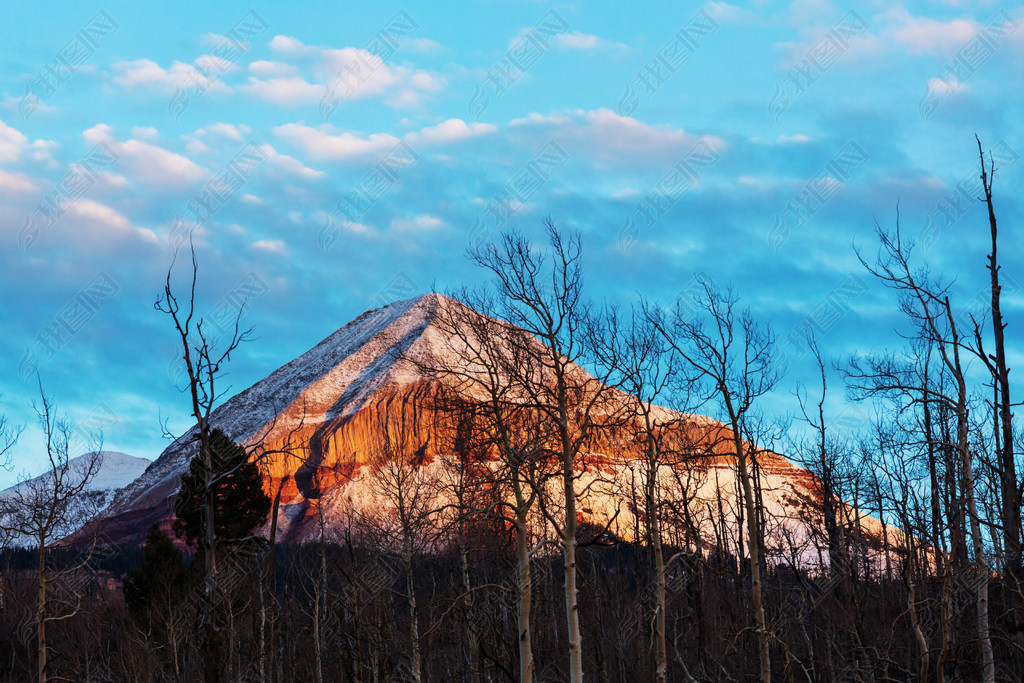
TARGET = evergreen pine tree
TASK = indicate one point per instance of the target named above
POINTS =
(240, 503)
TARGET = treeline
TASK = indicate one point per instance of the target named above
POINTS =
(829, 634)
(565, 526)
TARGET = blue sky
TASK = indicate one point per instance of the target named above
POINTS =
(330, 157)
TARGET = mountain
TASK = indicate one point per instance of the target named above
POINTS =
(325, 396)
(331, 398)
(116, 470)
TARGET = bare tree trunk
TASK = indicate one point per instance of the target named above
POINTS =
(654, 532)
(317, 637)
(262, 666)
(915, 623)
(569, 563)
(41, 612)
(938, 538)
(268, 571)
(982, 578)
(525, 585)
(472, 637)
(659, 573)
(754, 548)
(970, 495)
(414, 630)
(211, 633)
(944, 614)
(1011, 494)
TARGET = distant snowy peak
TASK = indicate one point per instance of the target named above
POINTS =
(115, 471)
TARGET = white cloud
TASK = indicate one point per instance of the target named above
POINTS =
(149, 164)
(358, 228)
(321, 143)
(12, 143)
(288, 45)
(287, 90)
(606, 135)
(146, 133)
(271, 246)
(110, 180)
(421, 223)
(100, 213)
(211, 64)
(196, 142)
(755, 183)
(575, 40)
(921, 35)
(227, 130)
(451, 131)
(723, 11)
(42, 150)
(145, 73)
(375, 77)
(535, 117)
(626, 132)
(15, 184)
(798, 139)
(101, 132)
(326, 219)
(13, 103)
(156, 166)
(364, 75)
(420, 44)
(290, 165)
(100, 220)
(265, 68)
(951, 86)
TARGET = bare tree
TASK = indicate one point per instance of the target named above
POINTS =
(825, 456)
(661, 442)
(203, 363)
(482, 357)
(546, 300)
(204, 357)
(268, 587)
(927, 305)
(46, 510)
(735, 356)
(1011, 491)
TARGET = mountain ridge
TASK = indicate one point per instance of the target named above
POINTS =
(330, 399)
